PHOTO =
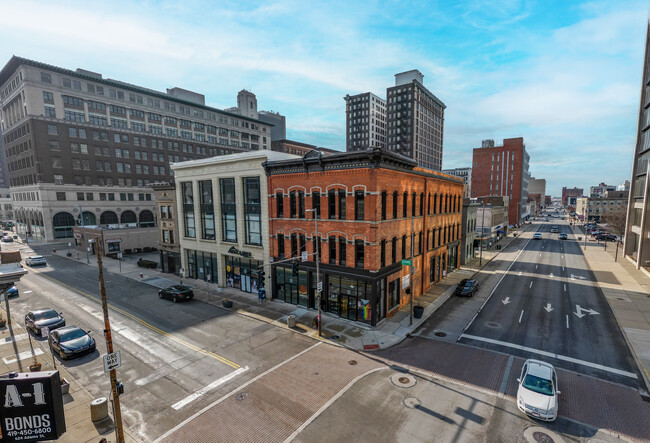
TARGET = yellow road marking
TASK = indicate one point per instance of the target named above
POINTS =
(147, 325)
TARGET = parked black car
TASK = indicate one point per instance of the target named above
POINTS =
(176, 293)
(606, 236)
(467, 287)
(35, 320)
(71, 341)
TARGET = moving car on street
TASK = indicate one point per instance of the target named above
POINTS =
(71, 341)
(43, 318)
(537, 236)
(35, 260)
(537, 392)
(7, 239)
(176, 293)
(554, 228)
(562, 236)
(467, 287)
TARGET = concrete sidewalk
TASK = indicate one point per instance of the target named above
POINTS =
(16, 356)
(628, 292)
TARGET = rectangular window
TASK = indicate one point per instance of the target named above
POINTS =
(280, 245)
(58, 179)
(383, 204)
(332, 248)
(413, 197)
(253, 210)
(188, 209)
(46, 78)
(301, 204)
(394, 250)
(358, 253)
(395, 199)
(341, 204)
(279, 204)
(303, 243)
(382, 259)
(422, 204)
(403, 246)
(60, 196)
(359, 205)
(405, 204)
(315, 203)
(294, 245)
(342, 251)
(228, 209)
(331, 204)
(52, 130)
(292, 204)
(207, 210)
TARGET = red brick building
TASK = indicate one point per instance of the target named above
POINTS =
(368, 202)
(503, 171)
(569, 195)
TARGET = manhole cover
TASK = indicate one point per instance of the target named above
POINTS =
(241, 396)
(403, 380)
(440, 334)
(538, 434)
(352, 362)
(542, 437)
(412, 402)
(621, 298)
(492, 324)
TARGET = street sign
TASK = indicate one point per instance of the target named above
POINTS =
(406, 262)
(119, 255)
(319, 286)
(112, 361)
(76, 235)
(303, 256)
(45, 331)
(406, 281)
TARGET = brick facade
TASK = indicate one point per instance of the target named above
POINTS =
(381, 180)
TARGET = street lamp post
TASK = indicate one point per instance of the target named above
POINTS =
(480, 260)
(81, 217)
(412, 266)
(317, 260)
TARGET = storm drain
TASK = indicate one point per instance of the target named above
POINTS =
(403, 380)
(241, 396)
(440, 334)
(537, 434)
(352, 362)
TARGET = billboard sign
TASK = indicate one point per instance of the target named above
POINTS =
(31, 406)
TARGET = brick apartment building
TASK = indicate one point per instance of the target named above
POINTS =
(569, 196)
(368, 202)
(503, 171)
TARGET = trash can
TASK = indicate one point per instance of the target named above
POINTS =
(418, 311)
(291, 321)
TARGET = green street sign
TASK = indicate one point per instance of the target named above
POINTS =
(407, 262)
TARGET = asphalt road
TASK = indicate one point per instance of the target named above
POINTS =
(538, 299)
(177, 358)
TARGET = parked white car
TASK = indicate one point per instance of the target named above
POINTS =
(537, 393)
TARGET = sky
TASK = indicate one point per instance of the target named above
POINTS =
(564, 75)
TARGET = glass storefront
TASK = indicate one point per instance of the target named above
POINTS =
(242, 273)
(349, 298)
(201, 265)
(170, 262)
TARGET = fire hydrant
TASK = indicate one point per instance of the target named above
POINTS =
(53, 251)
(141, 275)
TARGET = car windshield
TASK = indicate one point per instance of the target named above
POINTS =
(469, 284)
(539, 385)
(45, 314)
(180, 288)
(71, 335)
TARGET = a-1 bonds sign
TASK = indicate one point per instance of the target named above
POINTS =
(31, 406)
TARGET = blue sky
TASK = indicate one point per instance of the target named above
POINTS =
(564, 75)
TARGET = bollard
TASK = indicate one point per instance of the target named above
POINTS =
(99, 409)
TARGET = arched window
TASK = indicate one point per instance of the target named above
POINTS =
(108, 218)
(89, 219)
(62, 223)
(146, 219)
(128, 217)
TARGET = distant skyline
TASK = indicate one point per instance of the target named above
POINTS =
(565, 76)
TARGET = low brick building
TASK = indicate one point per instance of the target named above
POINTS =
(374, 207)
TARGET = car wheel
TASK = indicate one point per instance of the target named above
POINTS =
(160, 295)
(174, 299)
(62, 355)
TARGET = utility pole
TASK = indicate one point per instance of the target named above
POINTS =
(81, 217)
(119, 432)
(317, 260)
(480, 260)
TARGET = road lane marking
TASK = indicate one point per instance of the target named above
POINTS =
(563, 268)
(531, 284)
(27, 292)
(536, 266)
(564, 287)
(552, 355)
(521, 315)
(233, 392)
(495, 288)
(22, 356)
(148, 325)
(7, 340)
(567, 321)
(506, 375)
(208, 388)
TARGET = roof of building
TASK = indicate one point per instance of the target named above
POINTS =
(264, 155)
(16, 61)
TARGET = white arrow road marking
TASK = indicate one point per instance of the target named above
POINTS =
(506, 300)
(536, 266)
(565, 287)
(580, 311)
(521, 315)
(548, 307)
(209, 388)
(567, 321)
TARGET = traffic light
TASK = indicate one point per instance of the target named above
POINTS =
(294, 268)
(261, 278)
